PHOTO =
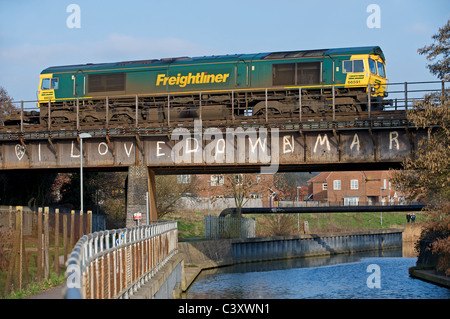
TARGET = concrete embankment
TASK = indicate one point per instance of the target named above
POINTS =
(200, 255)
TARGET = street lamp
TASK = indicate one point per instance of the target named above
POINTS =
(81, 136)
(381, 197)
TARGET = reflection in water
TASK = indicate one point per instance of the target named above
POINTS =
(335, 277)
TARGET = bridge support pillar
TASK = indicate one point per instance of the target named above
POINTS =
(140, 180)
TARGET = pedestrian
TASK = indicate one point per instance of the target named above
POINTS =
(413, 218)
(408, 217)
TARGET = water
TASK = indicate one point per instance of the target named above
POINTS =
(337, 277)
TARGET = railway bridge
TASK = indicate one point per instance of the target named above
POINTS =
(330, 141)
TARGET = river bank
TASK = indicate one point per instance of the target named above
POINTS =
(208, 254)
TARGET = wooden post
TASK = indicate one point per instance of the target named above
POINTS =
(19, 229)
(65, 236)
(89, 221)
(72, 229)
(57, 241)
(46, 245)
(13, 261)
(81, 225)
(39, 240)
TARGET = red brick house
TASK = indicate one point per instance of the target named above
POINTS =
(260, 186)
(354, 188)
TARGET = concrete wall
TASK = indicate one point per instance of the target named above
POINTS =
(166, 284)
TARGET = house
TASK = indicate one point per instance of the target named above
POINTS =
(354, 188)
(258, 186)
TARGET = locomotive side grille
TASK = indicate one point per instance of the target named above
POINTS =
(106, 82)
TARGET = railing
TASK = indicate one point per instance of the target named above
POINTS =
(116, 263)
(155, 110)
(229, 227)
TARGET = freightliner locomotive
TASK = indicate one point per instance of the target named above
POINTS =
(215, 87)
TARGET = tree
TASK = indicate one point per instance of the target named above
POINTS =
(169, 191)
(427, 174)
(6, 105)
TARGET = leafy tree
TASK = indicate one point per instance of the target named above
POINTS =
(427, 174)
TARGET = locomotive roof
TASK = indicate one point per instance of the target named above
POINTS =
(218, 58)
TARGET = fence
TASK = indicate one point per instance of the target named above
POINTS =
(229, 227)
(116, 263)
(30, 257)
(401, 96)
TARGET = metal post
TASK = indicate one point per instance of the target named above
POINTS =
(266, 107)
(406, 97)
(369, 100)
(334, 104)
(78, 114)
(200, 105)
(137, 106)
(49, 114)
(107, 111)
(168, 110)
(21, 116)
(300, 104)
(81, 175)
(232, 105)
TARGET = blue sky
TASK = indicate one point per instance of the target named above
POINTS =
(34, 34)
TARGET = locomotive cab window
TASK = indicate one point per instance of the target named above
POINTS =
(353, 66)
(381, 70)
(49, 84)
(372, 66)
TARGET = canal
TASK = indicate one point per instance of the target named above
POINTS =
(373, 275)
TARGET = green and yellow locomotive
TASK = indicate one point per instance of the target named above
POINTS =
(216, 87)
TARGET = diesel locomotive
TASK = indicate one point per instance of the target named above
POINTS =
(215, 87)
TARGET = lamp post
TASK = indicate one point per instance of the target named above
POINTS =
(81, 136)
(381, 196)
(208, 195)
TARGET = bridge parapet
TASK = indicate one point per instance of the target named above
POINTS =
(116, 263)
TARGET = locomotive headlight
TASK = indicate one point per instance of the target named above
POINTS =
(372, 89)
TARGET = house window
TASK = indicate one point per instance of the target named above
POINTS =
(217, 180)
(239, 179)
(351, 201)
(324, 186)
(183, 179)
(354, 184)
(337, 184)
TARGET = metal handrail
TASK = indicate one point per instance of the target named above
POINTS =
(402, 99)
(116, 263)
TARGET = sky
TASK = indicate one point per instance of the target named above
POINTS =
(37, 34)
